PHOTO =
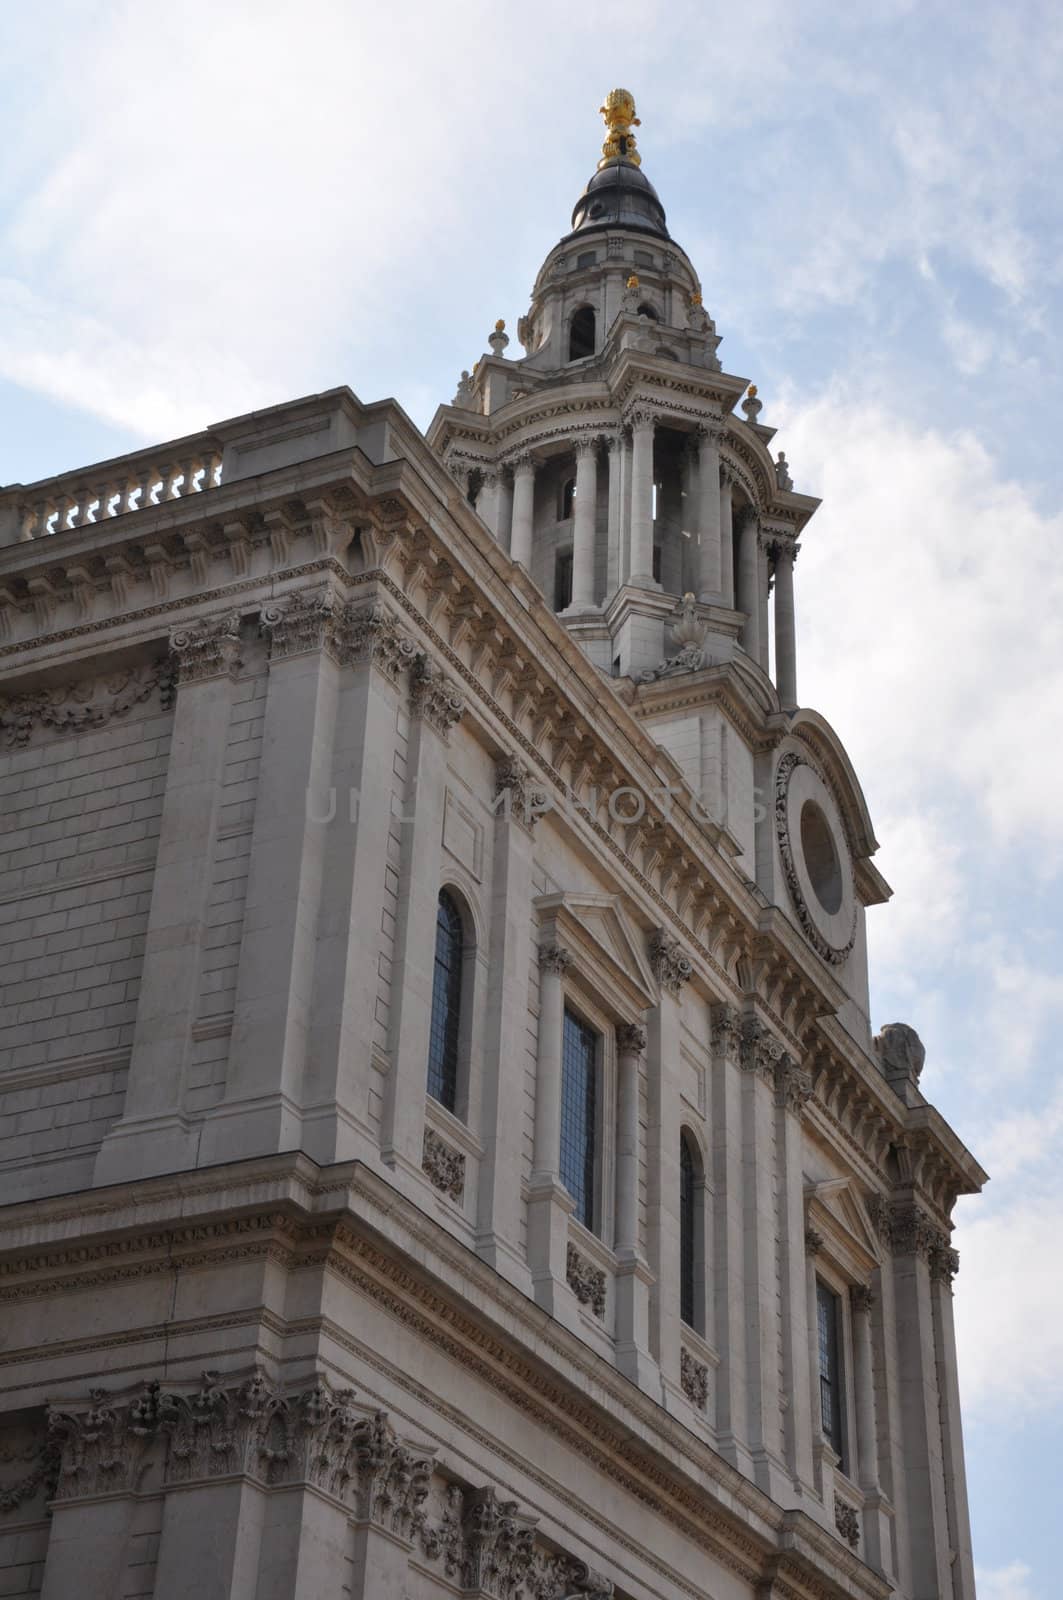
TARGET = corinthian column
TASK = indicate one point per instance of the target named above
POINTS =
(583, 524)
(749, 582)
(785, 636)
(520, 547)
(709, 513)
(727, 573)
(642, 427)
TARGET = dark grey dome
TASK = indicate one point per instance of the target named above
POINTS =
(619, 196)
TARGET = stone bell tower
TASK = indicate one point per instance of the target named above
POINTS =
(608, 459)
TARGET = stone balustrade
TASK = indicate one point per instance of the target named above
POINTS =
(109, 489)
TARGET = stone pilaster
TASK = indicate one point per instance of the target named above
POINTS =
(944, 1264)
(914, 1239)
(759, 1056)
(502, 1096)
(549, 1205)
(377, 656)
(154, 1133)
(729, 1237)
(633, 1277)
(793, 1090)
(672, 968)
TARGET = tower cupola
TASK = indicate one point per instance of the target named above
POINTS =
(609, 461)
(619, 195)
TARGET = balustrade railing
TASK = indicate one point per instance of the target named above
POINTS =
(112, 489)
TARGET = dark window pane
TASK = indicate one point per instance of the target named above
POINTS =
(446, 1005)
(581, 334)
(830, 1377)
(687, 1198)
(563, 581)
(579, 1085)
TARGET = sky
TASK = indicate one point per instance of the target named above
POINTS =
(215, 206)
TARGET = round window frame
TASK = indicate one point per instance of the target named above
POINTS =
(831, 934)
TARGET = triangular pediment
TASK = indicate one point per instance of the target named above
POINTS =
(834, 1209)
(598, 927)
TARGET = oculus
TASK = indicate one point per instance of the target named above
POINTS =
(815, 859)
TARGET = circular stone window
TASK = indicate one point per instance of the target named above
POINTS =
(821, 857)
(814, 854)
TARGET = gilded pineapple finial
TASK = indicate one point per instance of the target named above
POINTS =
(620, 118)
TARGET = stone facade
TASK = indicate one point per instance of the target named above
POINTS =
(280, 1324)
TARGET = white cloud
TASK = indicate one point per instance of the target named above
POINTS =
(1009, 1299)
(926, 570)
(1005, 1583)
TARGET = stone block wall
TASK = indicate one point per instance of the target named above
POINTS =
(78, 834)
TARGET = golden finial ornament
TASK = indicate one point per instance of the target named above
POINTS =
(633, 282)
(500, 325)
(620, 118)
(751, 392)
(695, 298)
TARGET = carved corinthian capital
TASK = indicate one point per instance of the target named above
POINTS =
(631, 1038)
(372, 634)
(862, 1298)
(671, 966)
(392, 1481)
(515, 792)
(726, 1033)
(433, 695)
(206, 648)
(301, 623)
(555, 959)
(759, 1051)
(793, 1085)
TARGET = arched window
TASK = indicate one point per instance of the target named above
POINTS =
(581, 334)
(579, 1115)
(568, 498)
(445, 1031)
(646, 310)
(688, 1243)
